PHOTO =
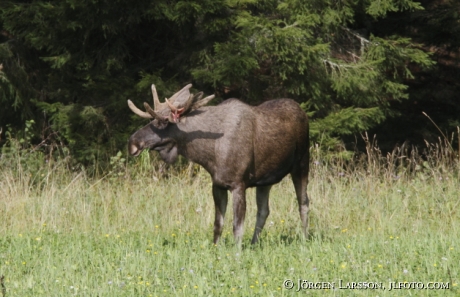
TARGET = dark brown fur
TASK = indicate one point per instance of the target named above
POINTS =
(240, 146)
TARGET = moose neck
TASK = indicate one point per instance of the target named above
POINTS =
(196, 139)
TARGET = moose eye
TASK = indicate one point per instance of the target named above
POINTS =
(160, 124)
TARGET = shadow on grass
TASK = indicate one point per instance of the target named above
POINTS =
(169, 243)
(284, 238)
(290, 239)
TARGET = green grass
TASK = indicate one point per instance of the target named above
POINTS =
(65, 234)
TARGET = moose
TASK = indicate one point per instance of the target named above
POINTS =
(239, 145)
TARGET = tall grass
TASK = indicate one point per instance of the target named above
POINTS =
(142, 230)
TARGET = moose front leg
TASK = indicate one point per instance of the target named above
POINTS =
(239, 212)
(220, 196)
(263, 210)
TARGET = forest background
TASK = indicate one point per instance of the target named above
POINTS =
(67, 68)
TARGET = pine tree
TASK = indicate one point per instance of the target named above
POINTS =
(434, 91)
(71, 65)
(322, 54)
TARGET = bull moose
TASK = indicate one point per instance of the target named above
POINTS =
(241, 146)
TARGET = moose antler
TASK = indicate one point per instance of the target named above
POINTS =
(201, 102)
(194, 102)
(173, 108)
(179, 97)
(139, 112)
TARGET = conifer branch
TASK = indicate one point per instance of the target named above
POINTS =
(362, 39)
(290, 26)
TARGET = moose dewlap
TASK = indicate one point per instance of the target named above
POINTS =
(239, 145)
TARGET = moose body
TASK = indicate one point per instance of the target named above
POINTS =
(240, 146)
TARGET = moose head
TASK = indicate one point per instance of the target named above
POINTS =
(162, 115)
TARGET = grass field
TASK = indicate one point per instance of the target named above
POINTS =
(385, 226)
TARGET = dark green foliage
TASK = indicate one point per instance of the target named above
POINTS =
(71, 65)
(434, 90)
(305, 50)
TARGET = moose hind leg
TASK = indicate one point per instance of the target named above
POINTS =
(220, 196)
(263, 210)
(300, 180)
